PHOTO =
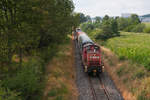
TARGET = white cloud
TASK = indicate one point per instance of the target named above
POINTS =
(112, 7)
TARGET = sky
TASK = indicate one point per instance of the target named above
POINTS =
(112, 7)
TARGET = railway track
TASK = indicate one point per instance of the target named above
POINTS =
(93, 90)
(104, 88)
(101, 84)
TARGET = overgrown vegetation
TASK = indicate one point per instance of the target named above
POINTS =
(134, 48)
(132, 79)
(30, 33)
(61, 76)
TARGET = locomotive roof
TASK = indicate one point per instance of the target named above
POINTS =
(85, 38)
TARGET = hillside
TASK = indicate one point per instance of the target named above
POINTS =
(147, 15)
(145, 18)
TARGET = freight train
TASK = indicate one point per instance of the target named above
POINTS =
(90, 53)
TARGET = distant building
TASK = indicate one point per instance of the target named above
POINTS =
(145, 19)
(126, 15)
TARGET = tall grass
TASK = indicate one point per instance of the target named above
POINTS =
(132, 46)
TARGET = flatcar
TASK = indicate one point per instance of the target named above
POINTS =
(90, 53)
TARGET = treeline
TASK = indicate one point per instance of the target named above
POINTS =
(131, 24)
(30, 31)
(108, 27)
(105, 27)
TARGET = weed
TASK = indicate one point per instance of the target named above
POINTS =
(121, 58)
(120, 71)
(142, 96)
(111, 62)
(52, 92)
(58, 91)
(59, 98)
(125, 80)
(140, 74)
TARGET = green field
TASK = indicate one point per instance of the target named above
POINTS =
(147, 24)
(133, 46)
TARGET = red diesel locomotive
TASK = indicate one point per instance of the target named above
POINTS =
(90, 53)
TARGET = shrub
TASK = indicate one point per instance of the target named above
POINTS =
(27, 80)
(138, 28)
(142, 96)
(139, 74)
(120, 71)
(58, 91)
(129, 28)
(147, 30)
(6, 94)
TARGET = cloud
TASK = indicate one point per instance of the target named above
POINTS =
(112, 7)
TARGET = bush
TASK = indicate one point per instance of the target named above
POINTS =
(142, 96)
(120, 71)
(27, 80)
(100, 35)
(6, 94)
(87, 27)
(138, 28)
(129, 28)
(147, 30)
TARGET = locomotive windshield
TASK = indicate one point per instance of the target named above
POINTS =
(92, 48)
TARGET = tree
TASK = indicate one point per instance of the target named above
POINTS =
(33, 24)
(87, 27)
(106, 18)
(114, 26)
(83, 18)
(122, 23)
(135, 19)
(109, 28)
(97, 19)
(88, 18)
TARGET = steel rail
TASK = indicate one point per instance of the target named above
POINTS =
(104, 88)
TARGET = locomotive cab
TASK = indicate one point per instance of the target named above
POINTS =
(92, 58)
(91, 54)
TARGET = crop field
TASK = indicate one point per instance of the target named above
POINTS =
(133, 46)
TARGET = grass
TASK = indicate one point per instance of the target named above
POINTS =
(147, 24)
(133, 46)
(61, 75)
(120, 71)
(130, 68)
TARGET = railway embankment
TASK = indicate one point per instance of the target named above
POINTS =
(127, 62)
(60, 75)
(130, 78)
